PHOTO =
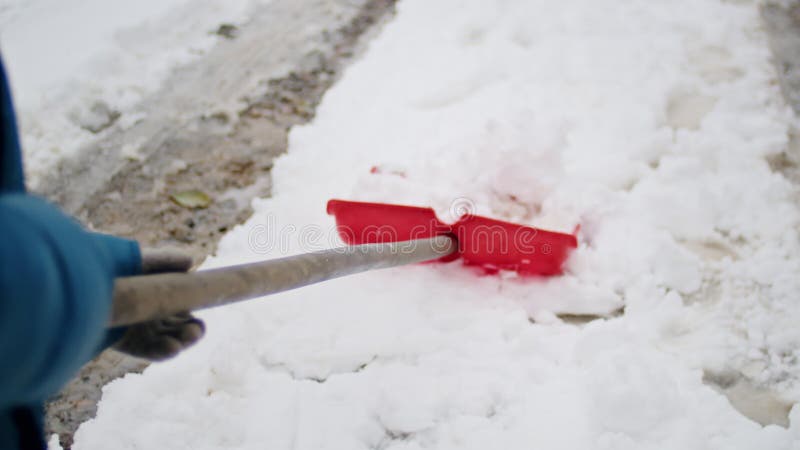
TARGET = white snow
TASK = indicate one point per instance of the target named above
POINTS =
(646, 122)
(65, 57)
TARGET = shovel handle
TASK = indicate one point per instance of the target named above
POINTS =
(147, 297)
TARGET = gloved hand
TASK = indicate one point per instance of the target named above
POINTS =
(161, 339)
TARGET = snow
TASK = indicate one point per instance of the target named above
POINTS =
(647, 123)
(69, 59)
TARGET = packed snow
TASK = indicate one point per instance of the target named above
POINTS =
(647, 123)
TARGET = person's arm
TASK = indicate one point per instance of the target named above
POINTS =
(56, 281)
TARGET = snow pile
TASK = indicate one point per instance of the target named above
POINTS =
(77, 67)
(648, 123)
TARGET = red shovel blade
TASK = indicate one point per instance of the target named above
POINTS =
(488, 243)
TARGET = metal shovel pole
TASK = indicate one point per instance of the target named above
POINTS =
(146, 297)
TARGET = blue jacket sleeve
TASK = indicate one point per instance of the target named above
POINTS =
(56, 281)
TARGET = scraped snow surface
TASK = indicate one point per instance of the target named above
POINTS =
(646, 122)
(76, 66)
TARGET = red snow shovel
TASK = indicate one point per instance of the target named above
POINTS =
(379, 236)
(490, 244)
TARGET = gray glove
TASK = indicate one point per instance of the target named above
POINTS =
(162, 339)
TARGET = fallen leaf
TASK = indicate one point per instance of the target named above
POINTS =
(191, 199)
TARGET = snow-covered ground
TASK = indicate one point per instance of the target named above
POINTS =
(646, 122)
(77, 66)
